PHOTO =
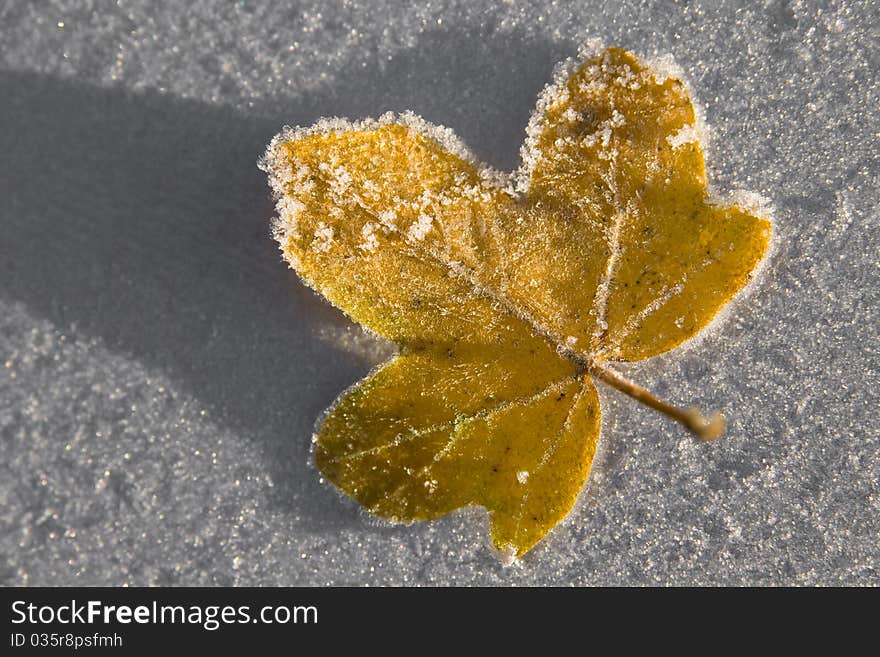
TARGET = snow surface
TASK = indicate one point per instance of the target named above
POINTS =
(161, 369)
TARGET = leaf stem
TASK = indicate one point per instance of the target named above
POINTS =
(706, 429)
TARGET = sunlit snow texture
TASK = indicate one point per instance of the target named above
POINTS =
(161, 371)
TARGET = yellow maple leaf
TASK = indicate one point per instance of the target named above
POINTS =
(507, 295)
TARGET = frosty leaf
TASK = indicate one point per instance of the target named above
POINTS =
(507, 297)
(433, 431)
(631, 256)
(371, 218)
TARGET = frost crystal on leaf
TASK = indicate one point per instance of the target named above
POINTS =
(420, 228)
(368, 232)
(323, 238)
(686, 135)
